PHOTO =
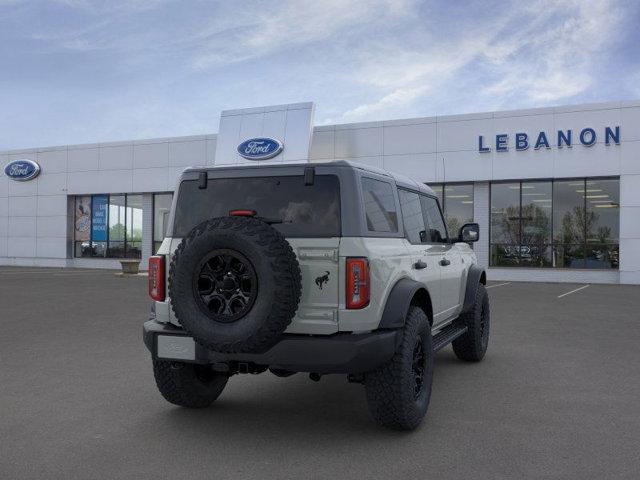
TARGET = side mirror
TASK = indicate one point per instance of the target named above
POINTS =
(470, 232)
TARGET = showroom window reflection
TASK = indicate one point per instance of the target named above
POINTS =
(161, 210)
(108, 226)
(562, 224)
(456, 201)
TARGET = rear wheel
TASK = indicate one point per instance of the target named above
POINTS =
(187, 384)
(399, 391)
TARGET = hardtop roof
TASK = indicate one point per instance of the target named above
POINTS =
(400, 180)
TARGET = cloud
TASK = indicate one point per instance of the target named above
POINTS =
(109, 70)
(397, 98)
(406, 76)
(255, 33)
(554, 63)
(541, 53)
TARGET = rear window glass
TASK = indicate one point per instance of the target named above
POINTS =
(304, 210)
(379, 206)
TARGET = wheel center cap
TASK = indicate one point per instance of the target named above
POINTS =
(229, 283)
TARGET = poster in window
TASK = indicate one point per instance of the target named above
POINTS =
(99, 218)
(83, 219)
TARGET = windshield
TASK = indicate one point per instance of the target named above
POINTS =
(303, 210)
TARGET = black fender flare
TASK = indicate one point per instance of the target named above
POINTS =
(475, 277)
(399, 301)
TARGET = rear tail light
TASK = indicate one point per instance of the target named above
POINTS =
(358, 286)
(156, 278)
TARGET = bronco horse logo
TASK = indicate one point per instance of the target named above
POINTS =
(322, 279)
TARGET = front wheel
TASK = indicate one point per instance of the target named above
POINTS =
(472, 346)
(187, 384)
(398, 392)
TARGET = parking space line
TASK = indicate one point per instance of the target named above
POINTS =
(71, 274)
(498, 285)
(573, 291)
(56, 273)
(22, 273)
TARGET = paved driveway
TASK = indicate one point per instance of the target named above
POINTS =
(558, 396)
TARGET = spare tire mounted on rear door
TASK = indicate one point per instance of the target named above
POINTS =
(234, 284)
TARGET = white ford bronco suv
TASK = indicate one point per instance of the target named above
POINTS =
(320, 268)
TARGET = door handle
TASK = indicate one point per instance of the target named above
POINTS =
(419, 265)
(444, 262)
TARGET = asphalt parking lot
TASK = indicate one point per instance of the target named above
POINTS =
(558, 396)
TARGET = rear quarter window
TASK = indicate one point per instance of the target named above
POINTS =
(379, 206)
(302, 210)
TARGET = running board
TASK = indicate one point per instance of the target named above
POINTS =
(447, 335)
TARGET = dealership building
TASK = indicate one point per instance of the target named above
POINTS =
(556, 190)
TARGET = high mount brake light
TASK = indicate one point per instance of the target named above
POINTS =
(156, 278)
(242, 213)
(358, 283)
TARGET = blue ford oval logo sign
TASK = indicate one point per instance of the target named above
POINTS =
(22, 170)
(260, 148)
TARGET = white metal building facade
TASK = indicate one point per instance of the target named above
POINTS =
(518, 171)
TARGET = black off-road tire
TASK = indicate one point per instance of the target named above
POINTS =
(187, 384)
(472, 346)
(391, 389)
(277, 277)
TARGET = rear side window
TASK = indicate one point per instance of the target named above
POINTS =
(412, 217)
(379, 206)
(436, 230)
(302, 210)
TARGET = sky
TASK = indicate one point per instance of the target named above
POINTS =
(80, 71)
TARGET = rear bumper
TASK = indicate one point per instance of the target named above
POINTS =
(338, 353)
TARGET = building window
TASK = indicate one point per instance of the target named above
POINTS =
(108, 226)
(82, 227)
(161, 209)
(563, 224)
(586, 223)
(117, 220)
(456, 200)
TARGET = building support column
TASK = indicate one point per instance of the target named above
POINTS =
(629, 229)
(147, 229)
(481, 215)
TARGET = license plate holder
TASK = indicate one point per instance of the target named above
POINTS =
(175, 347)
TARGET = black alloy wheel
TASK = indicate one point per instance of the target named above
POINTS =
(472, 345)
(225, 285)
(234, 284)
